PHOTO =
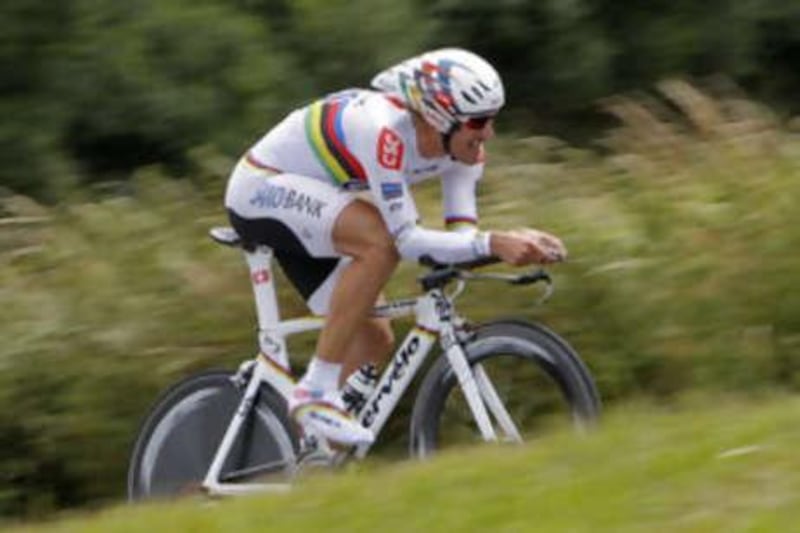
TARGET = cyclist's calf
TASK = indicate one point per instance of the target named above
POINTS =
(371, 343)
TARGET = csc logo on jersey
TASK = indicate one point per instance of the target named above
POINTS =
(390, 149)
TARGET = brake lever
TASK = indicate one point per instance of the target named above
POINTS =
(535, 277)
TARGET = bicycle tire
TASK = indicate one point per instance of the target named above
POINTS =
(178, 439)
(569, 355)
(530, 355)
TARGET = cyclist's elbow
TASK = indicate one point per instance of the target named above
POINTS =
(407, 244)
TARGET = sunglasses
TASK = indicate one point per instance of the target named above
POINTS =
(478, 123)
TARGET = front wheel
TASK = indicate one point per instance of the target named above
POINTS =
(179, 439)
(529, 378)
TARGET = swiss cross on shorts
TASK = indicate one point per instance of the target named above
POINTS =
(260, 276)
(390, 149)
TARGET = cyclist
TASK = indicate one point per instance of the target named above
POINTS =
(328, 190)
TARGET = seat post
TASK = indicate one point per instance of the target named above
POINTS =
(272, 345)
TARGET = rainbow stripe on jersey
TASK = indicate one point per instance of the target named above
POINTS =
(456, 223)
(326, 137)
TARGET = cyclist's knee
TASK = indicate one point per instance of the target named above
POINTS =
(384, 255)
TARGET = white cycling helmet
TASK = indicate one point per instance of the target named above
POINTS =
(447, 86)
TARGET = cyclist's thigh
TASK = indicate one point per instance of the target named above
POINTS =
(360, 228)
(295, 216)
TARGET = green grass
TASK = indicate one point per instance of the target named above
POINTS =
(691, 466)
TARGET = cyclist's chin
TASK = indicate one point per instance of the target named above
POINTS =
(469, 155)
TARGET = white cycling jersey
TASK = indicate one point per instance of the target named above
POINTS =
(364, 140)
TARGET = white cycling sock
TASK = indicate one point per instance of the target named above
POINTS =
(322, 375)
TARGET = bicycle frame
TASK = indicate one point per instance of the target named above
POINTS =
(435, 318)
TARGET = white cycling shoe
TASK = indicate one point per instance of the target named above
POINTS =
(325, 415)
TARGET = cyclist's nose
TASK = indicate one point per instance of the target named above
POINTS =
(487, 132)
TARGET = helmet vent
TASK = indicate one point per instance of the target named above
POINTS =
(445, 86)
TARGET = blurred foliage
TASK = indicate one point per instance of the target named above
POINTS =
(682, 276)
(93, 89)
(113, 86)
(328, 39)
(146, 80)
(559, 56)
(682, 232)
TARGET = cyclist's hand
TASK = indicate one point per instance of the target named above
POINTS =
(552, 245)
(526, 246)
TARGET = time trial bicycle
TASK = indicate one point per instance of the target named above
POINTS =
(228, 432)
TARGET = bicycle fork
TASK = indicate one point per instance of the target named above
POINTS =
(480, 393)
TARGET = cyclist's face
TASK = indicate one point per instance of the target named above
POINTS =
(466, 144)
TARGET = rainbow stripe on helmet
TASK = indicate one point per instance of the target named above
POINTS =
(326, 137)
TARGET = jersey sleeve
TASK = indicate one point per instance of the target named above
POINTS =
(382, 151)
(459, 197)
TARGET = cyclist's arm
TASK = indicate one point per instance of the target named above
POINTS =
(383, 162)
